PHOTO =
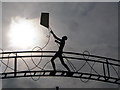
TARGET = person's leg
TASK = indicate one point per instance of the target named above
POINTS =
(52, 61)
(63, 63)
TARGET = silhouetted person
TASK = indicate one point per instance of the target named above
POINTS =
(61, 42)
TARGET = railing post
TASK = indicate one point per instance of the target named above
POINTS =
(108, 68)
(15, 65)
(104, 71)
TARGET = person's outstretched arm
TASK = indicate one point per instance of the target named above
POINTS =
(55, 36)
(57, 41)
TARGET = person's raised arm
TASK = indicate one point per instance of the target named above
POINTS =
(57, 41)
(55, 36)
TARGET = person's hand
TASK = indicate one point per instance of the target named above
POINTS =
(51, 31)
(56, 41)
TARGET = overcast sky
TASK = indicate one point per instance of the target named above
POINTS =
(89, 26)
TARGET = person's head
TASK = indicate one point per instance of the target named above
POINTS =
(64, 37)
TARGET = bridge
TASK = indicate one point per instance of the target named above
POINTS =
(83, 66)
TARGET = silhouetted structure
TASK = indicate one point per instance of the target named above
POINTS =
(61, 42)
(57, 88)
(108, 71)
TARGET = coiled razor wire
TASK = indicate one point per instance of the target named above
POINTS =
(43, 68)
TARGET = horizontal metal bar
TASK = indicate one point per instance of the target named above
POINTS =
(63, 57)
(58, 72)
(62, 75)
(63, 52)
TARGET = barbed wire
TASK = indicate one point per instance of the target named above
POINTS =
(43, 68)
(38, 48)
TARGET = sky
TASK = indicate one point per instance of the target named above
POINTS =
(88, 26)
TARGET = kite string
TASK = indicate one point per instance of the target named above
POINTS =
(40, 48)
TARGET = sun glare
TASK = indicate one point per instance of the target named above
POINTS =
(23, 33)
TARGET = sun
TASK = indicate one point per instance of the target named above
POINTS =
(22, 33)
